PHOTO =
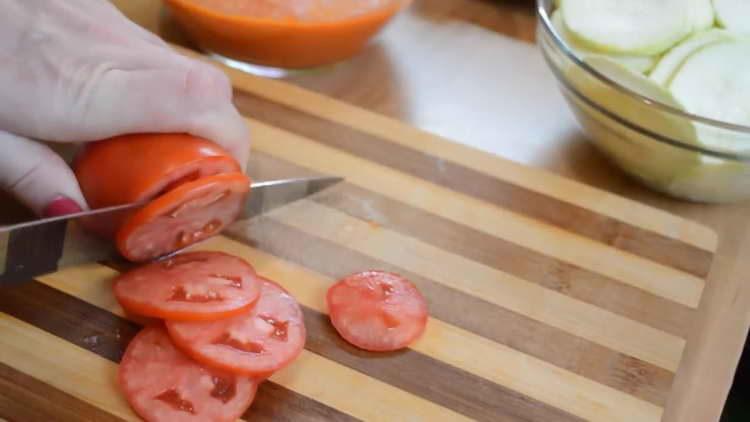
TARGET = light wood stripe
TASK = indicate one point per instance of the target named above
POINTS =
(476, 315)
(627, 268)
(508, 257)
(374, 400)
(532, 179)
(66, 367)
(518, 295)
(500, 364)
(456, 177)
(547, 383)
(311, 375)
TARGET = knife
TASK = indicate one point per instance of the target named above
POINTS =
(43, 246)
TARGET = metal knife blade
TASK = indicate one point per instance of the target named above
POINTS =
(43, 246)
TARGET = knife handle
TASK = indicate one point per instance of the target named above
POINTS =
(30, 251)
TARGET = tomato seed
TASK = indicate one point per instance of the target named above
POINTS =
(250, 346)
(212, 226)
(224, 389)
(234, 281)
(172, 398)
(183, 239)
(182, 295)
(280, 327)
(386, 290)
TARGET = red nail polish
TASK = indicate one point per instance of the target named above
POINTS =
(61, 206)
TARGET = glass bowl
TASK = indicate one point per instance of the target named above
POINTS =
(650, 141)
(279, 43)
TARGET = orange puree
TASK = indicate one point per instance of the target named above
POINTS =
(283, 33)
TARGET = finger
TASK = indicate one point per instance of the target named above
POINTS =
(37, 176)
(189, 96)
(227, 128)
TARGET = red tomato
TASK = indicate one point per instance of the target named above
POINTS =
(162, 384)
(194, 286)
(131, 168)
(377, 311)
(182, 171)
(256, 343)
(187, 214)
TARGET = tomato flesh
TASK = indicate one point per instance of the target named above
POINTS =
(377, 311)
(187, 214)
(162, 384)
(194, 286)
(256, 343)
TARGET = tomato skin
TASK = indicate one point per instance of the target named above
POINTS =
(377, 311)
(247, 344)
(197, 223)
(161, 384)
(219, 284)
(130, 168)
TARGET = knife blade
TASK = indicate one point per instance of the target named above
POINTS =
(42, 246)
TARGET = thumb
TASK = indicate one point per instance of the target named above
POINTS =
(38, 177)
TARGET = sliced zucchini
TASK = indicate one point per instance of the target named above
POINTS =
(646, 158)
(715, 82)
(671, 62)
(642, 27)
(703, 14)
(639, 64)
(733, 15)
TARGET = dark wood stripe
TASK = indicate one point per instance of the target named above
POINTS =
(576, 282)
(431, 379)
(107, 335)
(562, 277)
(276, 403)
(598, 363)
(25, 399)
(465, 180)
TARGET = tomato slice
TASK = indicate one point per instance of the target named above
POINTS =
(256, 343)
(134, 168)
(194, 286)
(187, 214)
(377, 311)
(162, 384)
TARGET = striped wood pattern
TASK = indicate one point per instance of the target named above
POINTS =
(550, 300)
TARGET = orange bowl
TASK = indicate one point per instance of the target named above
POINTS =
(282, 42)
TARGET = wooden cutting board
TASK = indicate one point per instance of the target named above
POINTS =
(550, 300)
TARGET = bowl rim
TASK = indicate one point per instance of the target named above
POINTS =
(243, 20)
(543, 15)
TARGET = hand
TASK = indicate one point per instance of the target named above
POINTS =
(77, 71)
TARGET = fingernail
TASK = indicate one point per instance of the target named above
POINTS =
(62, 205)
